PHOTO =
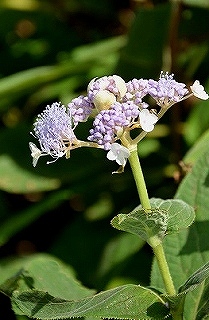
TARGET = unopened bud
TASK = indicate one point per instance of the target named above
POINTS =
(121, 85)
(103, 100)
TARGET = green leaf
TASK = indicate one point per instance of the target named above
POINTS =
(22, 180)
(125, 302)
(197, 151)
(47, 273)
(187, 251)
(166, 216)
(203, 308)
(80, 59)
(198, 120)
(180, 215)
(138, 222)
(194, 280)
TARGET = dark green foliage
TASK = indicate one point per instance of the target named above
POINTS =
(50, 50)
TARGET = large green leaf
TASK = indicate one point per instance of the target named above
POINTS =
(23, 181)
(189, 250)
(42, 272)
(125, 302)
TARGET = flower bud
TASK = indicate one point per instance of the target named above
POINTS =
(103, 99)
(120, 85)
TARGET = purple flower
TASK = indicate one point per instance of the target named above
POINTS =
(109, 124)
(166, 91)
(53, 129)
(79, 109)
(136, 90)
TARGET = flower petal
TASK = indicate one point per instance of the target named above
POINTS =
(199, 91)
(118, 153)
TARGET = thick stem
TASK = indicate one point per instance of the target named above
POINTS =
(155, 242)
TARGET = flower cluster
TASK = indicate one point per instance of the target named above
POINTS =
(118, 107)
(166, 91)
(110, 124)
(53, 129)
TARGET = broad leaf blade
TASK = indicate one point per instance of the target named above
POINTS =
(44, 272)
(125, 302)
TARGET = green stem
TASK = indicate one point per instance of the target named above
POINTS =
(163, 266)
(139, 179)
(155, 242)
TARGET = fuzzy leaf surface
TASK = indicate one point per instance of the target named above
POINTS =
(42, 272)
(166, 216)
(124, 302)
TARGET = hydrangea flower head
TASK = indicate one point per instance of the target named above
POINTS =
(166, 91)
(199, 91)
(53, 129)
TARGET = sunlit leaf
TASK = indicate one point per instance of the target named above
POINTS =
(125, 302)
(43, 272)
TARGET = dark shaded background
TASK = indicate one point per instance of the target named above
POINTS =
(49, 51)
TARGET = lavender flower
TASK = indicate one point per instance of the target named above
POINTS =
(109, 124)
(136, 90)
(53, 129)
(79, 109)
(166, 91)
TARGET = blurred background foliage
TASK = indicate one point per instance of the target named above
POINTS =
(49, 51)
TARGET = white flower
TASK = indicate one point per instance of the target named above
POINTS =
(147, 120)
(118, 153)
(35, 153)
(199, 91)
